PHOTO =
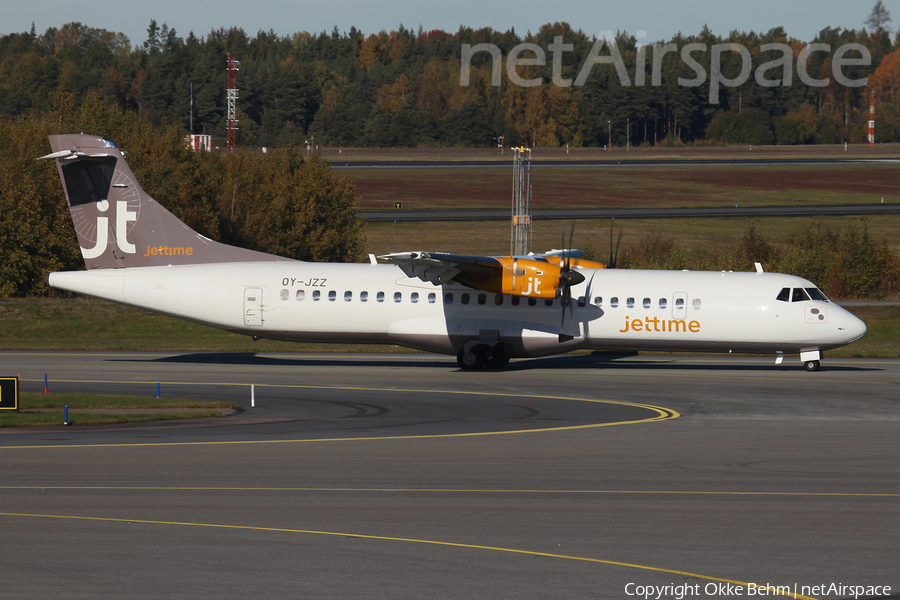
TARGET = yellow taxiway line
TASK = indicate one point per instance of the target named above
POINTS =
(760, 589)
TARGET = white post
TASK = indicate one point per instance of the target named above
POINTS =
(252, 396)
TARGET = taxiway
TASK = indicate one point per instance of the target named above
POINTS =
(373, 476)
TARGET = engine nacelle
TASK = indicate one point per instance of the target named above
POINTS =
(576, 263)
(529, 278)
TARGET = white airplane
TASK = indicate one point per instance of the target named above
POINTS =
(484, 310)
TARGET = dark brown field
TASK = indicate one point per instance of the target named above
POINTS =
(625, 186)
(631, 187)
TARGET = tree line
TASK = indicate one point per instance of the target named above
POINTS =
(402, 88)
(845, 262)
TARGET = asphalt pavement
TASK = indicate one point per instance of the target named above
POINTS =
(400, 476)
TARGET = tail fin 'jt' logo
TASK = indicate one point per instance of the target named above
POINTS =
(123, 216)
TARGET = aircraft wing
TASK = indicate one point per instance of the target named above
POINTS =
(441, 268)
(542, 275)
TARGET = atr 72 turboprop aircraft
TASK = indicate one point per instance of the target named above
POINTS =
(485, 310)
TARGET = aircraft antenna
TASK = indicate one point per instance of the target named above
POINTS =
(231, 121)
(520, 244)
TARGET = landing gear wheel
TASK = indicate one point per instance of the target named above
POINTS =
(472, 360)
(811, 365)
(497, 361)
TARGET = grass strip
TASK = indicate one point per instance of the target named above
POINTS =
(49, 419)
(33, 409)
(33, 400)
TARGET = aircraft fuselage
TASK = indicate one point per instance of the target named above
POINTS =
(377, 303)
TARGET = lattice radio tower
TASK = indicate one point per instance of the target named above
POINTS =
(231, 122)
(520, 245)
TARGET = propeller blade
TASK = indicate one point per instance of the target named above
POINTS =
(611, 262)
(567, 278)
(616, 257)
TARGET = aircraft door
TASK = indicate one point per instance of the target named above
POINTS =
(253, 307)
(679, 305)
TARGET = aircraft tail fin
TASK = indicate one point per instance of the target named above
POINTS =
(118, 224)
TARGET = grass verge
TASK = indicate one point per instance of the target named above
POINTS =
(37, 409)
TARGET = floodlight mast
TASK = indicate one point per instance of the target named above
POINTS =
(520, 244)
(231, 121)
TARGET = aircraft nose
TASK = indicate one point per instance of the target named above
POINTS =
(854, 327)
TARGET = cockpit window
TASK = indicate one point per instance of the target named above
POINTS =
(799, 295)
(816, 294)
(784, 295)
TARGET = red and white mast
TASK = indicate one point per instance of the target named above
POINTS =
(231, 122)
(872, 123)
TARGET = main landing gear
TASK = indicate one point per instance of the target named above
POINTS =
(478, 356)
(812, 365)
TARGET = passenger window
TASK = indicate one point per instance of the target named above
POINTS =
(799, 295)
(285, 294)
(498, 299)
(332, 296)
(663, 303)
(348, 296)
(515, 300)
(630, 303)
(614, 302)
(581, 302)
(464, 298)
(696, 304)
(316, 295)
(398, 296)
(532, 302)
(816, 294)
(784, 295)
(646, 302)
(679, 303)
(301, 294)
(432, 298)
(379, 297)
(482, 299)
(448, 298)
(548, 302)
(364, 296)
(414, 297)
(598, 300)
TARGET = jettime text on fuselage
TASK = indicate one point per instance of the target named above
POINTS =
(657, 325)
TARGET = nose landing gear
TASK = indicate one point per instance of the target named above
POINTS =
(811, 359)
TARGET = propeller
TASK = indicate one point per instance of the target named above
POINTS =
(567, 278)
(613, 257)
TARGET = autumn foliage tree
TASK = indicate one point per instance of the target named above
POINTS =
(402, 87)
